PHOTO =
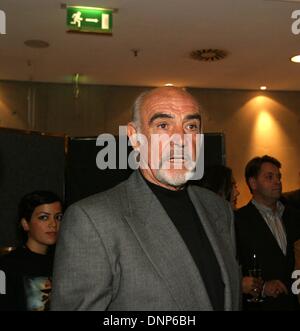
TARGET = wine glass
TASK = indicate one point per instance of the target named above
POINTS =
(256, 272)
(256, 297)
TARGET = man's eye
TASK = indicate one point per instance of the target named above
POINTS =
(193, 127)
(43, 217)
(162, 125)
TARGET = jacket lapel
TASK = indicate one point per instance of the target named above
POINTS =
(164, 247)
(215, 229)
(264, 230)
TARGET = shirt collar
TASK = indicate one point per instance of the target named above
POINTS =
(263, 208)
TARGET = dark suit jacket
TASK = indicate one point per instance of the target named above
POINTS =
(255, 237)
(292, 198)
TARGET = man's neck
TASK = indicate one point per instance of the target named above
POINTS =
(266, 202)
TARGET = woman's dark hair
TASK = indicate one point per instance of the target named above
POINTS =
(32, 200)
(218, 178)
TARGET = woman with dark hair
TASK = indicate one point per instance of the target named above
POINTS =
(220, 180)
(28, 269)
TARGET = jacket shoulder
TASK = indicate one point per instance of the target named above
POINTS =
(111, 198)
(214, 204)
(245, 210)
(245, 215)
(207, 195)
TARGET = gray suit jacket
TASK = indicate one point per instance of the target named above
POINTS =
(119, 250)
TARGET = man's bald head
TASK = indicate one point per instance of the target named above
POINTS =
(167, 92)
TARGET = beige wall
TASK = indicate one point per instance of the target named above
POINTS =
(13, 105)
(98, 109)
(254, 123)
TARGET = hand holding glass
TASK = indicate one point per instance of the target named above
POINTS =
(256, 296)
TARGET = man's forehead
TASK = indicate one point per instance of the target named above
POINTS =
(269, 168)
(169, 102)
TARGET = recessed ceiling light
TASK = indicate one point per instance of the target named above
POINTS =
(263, 88)
(296, 59)
(36, 43)
(169, 84)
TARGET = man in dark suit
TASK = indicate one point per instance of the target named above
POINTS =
(150, 243)
(268, 229)
(292, 198)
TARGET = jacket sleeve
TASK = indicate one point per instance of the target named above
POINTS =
(82, 278)
(230, 216)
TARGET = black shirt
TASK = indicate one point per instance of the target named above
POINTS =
(181, 211)
(28, 280)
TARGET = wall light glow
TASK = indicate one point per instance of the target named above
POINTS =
(265, 117)
(268, 136)
(265, 123)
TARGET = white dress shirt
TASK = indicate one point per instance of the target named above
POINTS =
(274, 222)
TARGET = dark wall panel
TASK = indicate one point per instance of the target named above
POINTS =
(214, 149)
(28, 161)
(83, 178)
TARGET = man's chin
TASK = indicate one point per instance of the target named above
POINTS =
(273, 198)
(277, 195)
(174, 177)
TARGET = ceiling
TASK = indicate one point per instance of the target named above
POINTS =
(256, 34)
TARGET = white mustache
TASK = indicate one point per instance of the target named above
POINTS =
(180, 156)
(184, 157)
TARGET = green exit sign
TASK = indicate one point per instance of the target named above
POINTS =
(89, 19)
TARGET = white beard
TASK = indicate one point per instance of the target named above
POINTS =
(175, 180)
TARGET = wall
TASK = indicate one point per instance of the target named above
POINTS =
(98, 109)
(255, 123)
(14, 105)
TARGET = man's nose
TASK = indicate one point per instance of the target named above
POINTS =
(278, 180)
(180, 134)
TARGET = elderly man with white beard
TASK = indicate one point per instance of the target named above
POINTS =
(152, 242)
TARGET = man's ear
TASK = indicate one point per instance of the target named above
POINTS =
(24, 224)
(252, 183)
(132, 135)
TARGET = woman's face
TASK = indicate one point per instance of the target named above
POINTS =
(234, 194)
(43, 227)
